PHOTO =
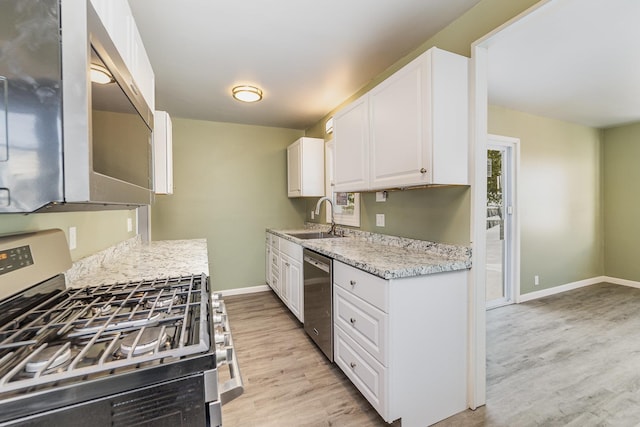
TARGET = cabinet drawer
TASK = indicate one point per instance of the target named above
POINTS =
(370, 288)
(293, 250)
(364, 323)
(275, 259)
(274, 241)
(369, 376)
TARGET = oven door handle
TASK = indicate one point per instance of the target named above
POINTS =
(233, 387)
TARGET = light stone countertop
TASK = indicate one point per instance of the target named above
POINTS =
(387, 257)
(134, 260)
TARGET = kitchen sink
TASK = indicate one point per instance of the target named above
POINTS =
(313, 235)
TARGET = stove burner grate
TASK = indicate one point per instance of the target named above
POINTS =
(48, 358)
(144, 341)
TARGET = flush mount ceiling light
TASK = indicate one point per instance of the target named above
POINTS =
(246, 93)
(101, 75)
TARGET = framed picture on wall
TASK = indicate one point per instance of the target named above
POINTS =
(347, 209)
(347, 205)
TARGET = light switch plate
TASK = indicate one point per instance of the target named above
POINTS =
(380, 220)
(129, 225)
(381, 196)
(73, 238)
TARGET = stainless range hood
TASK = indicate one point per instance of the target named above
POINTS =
(67, 143)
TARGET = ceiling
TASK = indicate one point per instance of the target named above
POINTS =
(308, 56)
(573, 60)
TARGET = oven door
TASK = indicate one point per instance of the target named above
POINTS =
(172, 403)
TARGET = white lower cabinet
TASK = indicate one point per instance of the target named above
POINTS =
(403, 342)
(284, 272)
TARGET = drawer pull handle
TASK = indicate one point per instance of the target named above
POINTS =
(352, 364)
(352, 282)
(352, 320)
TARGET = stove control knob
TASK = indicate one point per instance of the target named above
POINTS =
(219, 338)
(219, 318)
(224, 355)
(216, 296)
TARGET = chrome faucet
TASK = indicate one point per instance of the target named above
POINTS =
(332, 230)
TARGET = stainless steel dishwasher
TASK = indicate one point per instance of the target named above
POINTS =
(318, 300)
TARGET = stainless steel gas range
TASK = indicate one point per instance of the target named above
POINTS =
(142, 353)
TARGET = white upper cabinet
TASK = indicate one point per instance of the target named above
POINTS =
(162, 153)
(410, 130)
(305, 168)
(351, 146)
(118, 20)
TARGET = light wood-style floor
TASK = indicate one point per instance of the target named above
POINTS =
(567, 360)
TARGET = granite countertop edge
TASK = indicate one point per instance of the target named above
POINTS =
(134, 260)
(418, 257)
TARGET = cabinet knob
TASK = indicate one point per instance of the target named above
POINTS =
(352, 282)
(352, 364)
(423, 170)
(352, 320)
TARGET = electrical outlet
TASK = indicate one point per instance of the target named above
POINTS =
(313, 215)
(73, 238)
(380, 220)
(129, 225)
(536, 280)
(381, 196)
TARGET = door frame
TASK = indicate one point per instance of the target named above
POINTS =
(512, 248)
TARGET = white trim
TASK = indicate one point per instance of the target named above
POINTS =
(514, 232)
(567, 287)
(623, 282)
(242, 291)
(478, 120)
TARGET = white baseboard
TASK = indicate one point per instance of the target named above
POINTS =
(568, 287)
(241, 291)
(623, 282)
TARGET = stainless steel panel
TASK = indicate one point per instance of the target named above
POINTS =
(82, 31)
(50, 254)
(46, 138)
(30, 66)
(211, 386)
(318, 300)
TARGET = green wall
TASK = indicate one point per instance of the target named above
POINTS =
(95, 231)
(560, 195)
(437, 214)
(621, 152)
(229, 185)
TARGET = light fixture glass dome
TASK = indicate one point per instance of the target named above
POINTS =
(247, 93)
(101, 75)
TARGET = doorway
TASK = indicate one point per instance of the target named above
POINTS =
(501, 230)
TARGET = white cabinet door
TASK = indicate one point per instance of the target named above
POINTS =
(351, 145)
(294, 162)
(410, 130)
(295, 281)
(118, 20)
(285, 278)
(448, 116)
(400, 150)
(267, 261)
(139, 64)
(305, 168)
(162, 153)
